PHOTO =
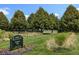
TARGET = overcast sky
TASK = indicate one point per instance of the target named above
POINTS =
(57, 9)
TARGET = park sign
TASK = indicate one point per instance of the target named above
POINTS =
(16, 42)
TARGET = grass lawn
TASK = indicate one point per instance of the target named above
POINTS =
(39, 44)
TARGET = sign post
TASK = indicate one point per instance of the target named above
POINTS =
(16, 42)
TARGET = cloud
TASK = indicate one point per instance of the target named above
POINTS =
(57, 15)
(26, 16)
(4, 10)
(77, 8)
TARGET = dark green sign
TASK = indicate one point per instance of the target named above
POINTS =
(16, 42)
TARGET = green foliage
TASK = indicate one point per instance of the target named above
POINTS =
(69, 21)
(31, 19)
(41, 20)
(53, 21)
(18, 22)
(60, 38)
(4, 23)
(11, 34)
(1, 33)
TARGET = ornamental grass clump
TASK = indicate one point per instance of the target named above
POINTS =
(51, 44)
(60, 38)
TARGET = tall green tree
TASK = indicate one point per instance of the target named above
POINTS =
(53, 20)
(4, 23)
(69, 21)
(18, 22)
(31, 19)
(42, 19)
(39, 20)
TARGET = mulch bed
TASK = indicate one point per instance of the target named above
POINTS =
(19, 51)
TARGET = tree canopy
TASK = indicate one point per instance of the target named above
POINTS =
(4, 23)
(42, 20)
(18, 22)
(70, 19)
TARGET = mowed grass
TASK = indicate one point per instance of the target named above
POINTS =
(38, 43)
(4, 44)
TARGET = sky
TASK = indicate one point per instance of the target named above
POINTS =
(57, 9)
